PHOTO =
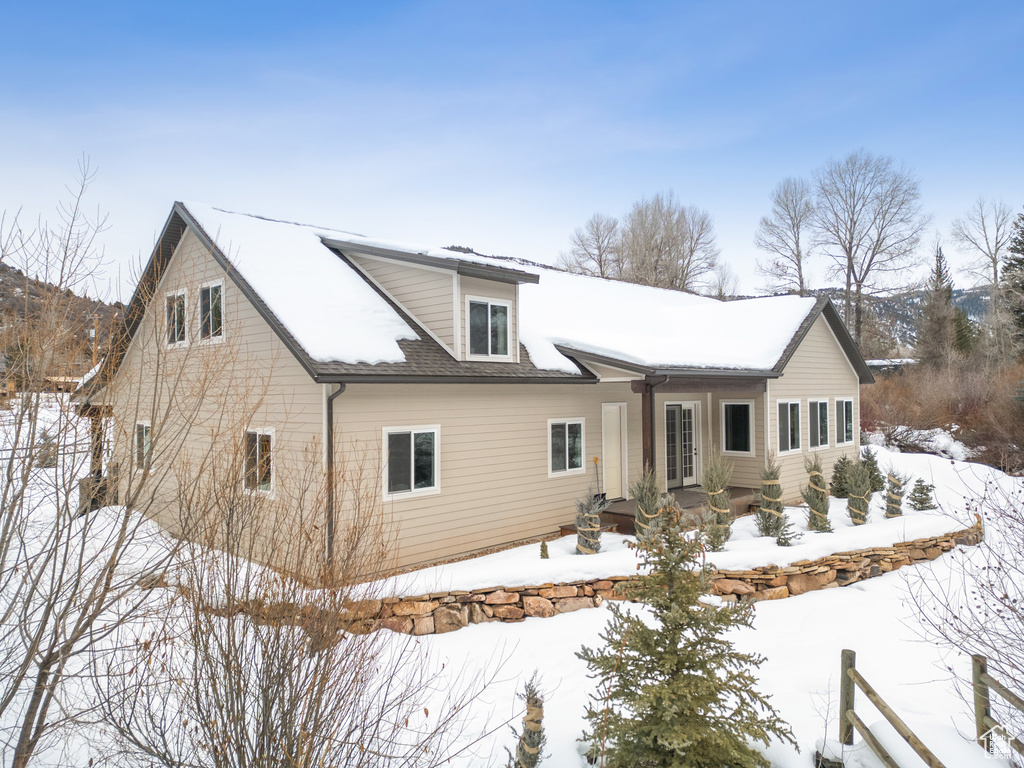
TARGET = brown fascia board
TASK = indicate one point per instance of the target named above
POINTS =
(824, 306)
(370, 378)
(468, 268)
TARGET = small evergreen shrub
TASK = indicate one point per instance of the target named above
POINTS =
(543, 550)
(816, 496)
(713, 534)
(921, 496)
(46, 451)
(716, 478)
(672, 690)
(895, 487)
(858, 486)
(588, 523)
(531, 741)
(870, 460)
(649, 503)
(770, 518)
(839, 471)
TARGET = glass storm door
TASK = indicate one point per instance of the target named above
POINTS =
(680, 445)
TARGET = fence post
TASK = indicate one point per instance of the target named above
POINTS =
(846, 691)
(981, 702)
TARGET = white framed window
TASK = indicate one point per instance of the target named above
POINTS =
(259, 460)
(817, 421)
(487, 324)
(738, 427)
(844, 422)
(566, 439)
(143, 446)
(412, 461)
(211, 312)
(789, 426)
(176, 320)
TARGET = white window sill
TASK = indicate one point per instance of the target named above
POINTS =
(416, 494)
(743, 454)
(565, 472)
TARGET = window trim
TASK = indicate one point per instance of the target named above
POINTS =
(778, 428)
(490, 302)
(140, 467)
(199, 314)
(853, 422)
(753, 442)
(582, 421)
(412, 493)
(821, 401)
(272, 432)
(180, 293)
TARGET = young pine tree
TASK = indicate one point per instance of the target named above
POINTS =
(544, 550)
(858, 486)
(717, 525)
(816, 496)
(771, 519)
(875, 477)
(895, 487)
(649, 503)
(588, 523)
(839, 472)
(674, 691)
(921, 496)
(532, 739)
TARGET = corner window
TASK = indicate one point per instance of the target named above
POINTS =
(143, 447)
(411, 459)
(818, 422)
(844, 421)
(738, 427)
(565, 446)
(259, 461)
(488, 328)
(211, 312)
(789, 427)
(175, 318)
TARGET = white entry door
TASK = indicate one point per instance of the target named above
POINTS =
(681, 444)
(613, 439)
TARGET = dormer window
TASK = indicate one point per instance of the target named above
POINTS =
(488, 329)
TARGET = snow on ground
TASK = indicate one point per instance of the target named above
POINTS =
(802, 638)
(940, 442)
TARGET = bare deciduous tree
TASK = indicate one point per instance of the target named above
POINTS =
(868, 220)
(666, 244)
(984, 231)
(724, 283)
(593, 248)
(784, 234)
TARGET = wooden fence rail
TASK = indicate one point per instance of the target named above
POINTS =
(982, 683)
(848, 719)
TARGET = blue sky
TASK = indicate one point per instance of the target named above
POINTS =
(498, 125)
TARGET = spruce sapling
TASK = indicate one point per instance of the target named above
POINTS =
(531, 741)
(858, 486)
(816, 496)
(921, 496)
(671, 687)
(895, 487)
(717, 474)
(543, 550)
(870, 460)
(839, 471)
(649, 503)
(771, 519)
(588, 523)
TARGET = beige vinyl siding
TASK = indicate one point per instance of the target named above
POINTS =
(818, 370)
(746, 469)
(494, 475)
(504, 293)
(428, 294)
(202, 390)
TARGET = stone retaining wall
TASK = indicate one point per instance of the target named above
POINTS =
(440, 612)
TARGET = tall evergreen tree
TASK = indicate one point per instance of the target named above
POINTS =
(675, 691)
(1012, 289)
(936, 330)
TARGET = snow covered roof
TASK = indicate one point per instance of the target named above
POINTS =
(297, 277)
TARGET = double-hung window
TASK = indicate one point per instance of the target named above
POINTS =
(411, 459)
(211, 312)
(488, 328)
(143, 447)
(818, 422)
(844, 422)
(259, 460)
(565, 446)
(176, 318)
(789, 426)
(738, 427)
